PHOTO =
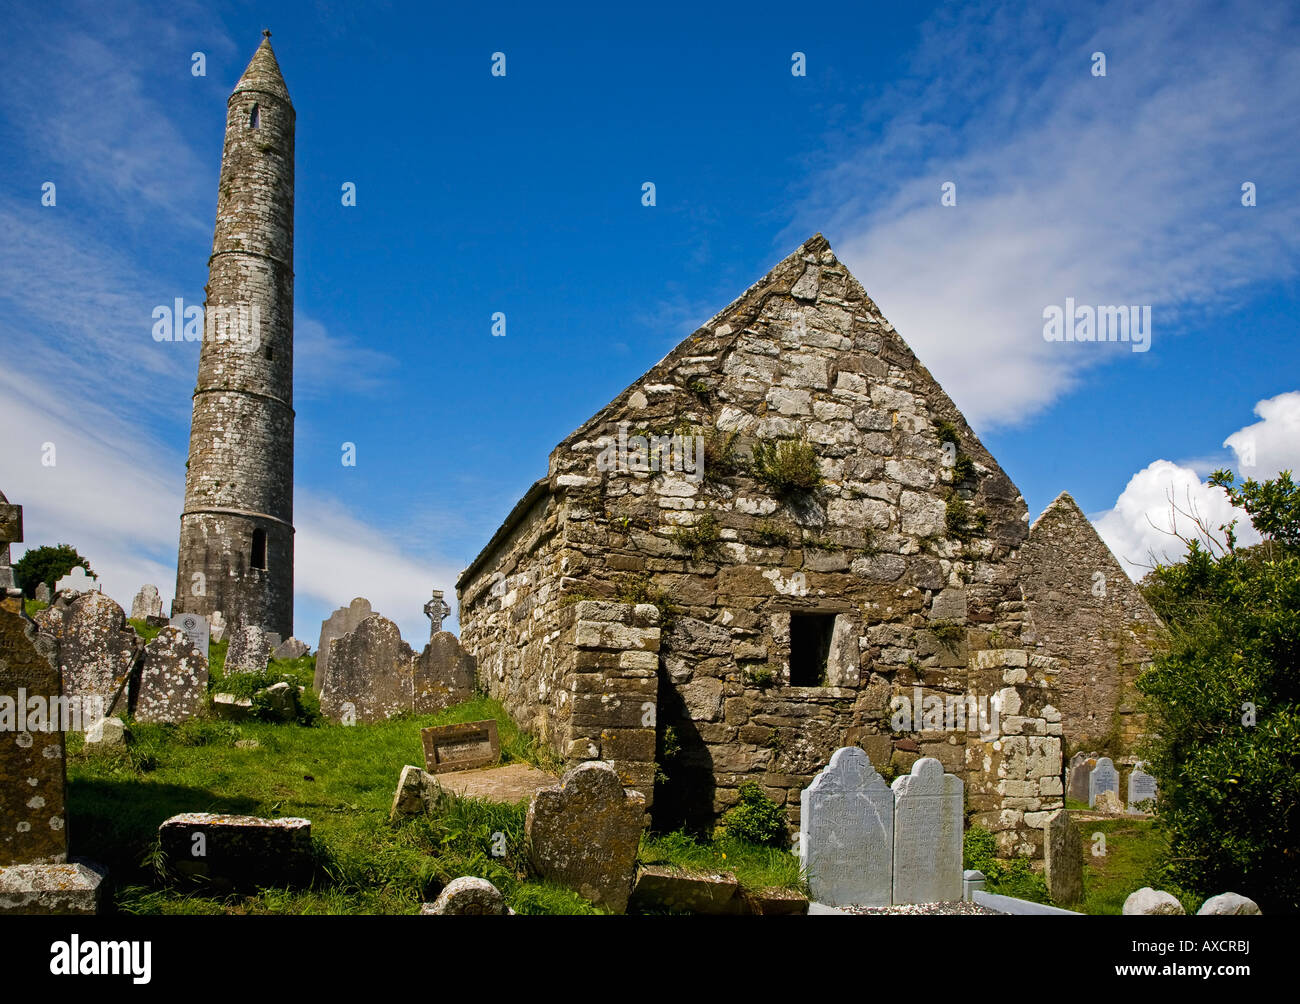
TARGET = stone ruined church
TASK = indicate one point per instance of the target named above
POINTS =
(702, 632)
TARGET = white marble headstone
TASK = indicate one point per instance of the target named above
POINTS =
(1141, 788)
(846, 832)
(928, 826)
(1104, 777)
(196, 626)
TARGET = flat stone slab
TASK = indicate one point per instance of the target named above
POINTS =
(662, 887)
(460, 747)
(238, 851)
(72, 889)
(515, 782)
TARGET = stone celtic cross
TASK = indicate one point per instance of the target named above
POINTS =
(436, 610)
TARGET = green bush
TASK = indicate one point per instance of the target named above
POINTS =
(1007, 878)
(1223, 736)
(46, 564)
(700, 539)
(756, 818)
(788, 467)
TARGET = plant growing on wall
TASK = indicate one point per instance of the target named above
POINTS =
(788, 467)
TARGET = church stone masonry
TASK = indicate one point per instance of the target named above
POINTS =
(236, 538)
(901, 575)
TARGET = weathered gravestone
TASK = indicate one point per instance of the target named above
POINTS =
(232, 852)
(290, 648)
(846, 833)
(417, 792)
(1063, 858)
(173, 678)
(77, 581)
(11, 532)
(35, 875)
(196, 627)
(147, 603)
(437, 610)
(585, 831)
(467, 897)
(1076, 787)
(249, 650)
(217, 625)
(928, 827)
(369, 674)
(1103, 777)
(460, 747)
(1141, 789)
(443, 674)
(98, 650)
(43, 594)
(342, 621)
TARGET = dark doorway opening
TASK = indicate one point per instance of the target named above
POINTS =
(810, 647)
(258, 559)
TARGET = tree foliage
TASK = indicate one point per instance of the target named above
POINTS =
(1224, 703)
(46, 564)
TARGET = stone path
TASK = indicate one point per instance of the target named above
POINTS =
(515, 782)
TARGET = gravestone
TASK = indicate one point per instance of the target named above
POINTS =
(370, 670)
(98, 650)
(1076, 787)
(43, 594)
(437, 610)
(585, 831)
(11, 532)
(217, 625)
(78, 581)
(928, 828)
(173, 678)
(460, 747)
(467, 897)
(237, 852)
(290, 648)
(1103, 777)
(1141, 788)
(443, 674)
(416, 793)
(846, 833)
(35, 874)
(147, 603)
(196, 628)
(342, 621)
(249, 650)
(1063, 858)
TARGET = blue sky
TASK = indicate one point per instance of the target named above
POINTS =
(522, 194)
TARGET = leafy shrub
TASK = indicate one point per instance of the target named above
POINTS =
(701, 539)
(787, 467)
(756, 818)
(46, 564)
(1007, 878)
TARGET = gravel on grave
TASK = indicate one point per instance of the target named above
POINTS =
(929, 909)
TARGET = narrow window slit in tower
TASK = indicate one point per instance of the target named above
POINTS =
(259, 549)
(270, 352)
(253, 118)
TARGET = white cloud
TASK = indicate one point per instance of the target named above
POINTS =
(1137, 528)
(1115, 190)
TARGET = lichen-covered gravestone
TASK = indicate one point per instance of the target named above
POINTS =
(370, 671)
(846, 833)
(467, 897)
(1141, 790)
(585, 832)
(443, 674)
(98, 650)
(1081, 765)
(342, 621)
(233, 852)
(173, 678)
(928, 826)
(1063, 858)
(35, 875)
(249, 650)
(43, 594)
(147, 603)
(1103, 777)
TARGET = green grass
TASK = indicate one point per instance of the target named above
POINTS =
(142, 629)
(1134, 850)
(341, 778)
(755, 866)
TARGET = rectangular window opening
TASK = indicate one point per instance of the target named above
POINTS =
(258, 557)
(810, 648)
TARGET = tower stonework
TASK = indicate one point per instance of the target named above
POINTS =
(236, 539)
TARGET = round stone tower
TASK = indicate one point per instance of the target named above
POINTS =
(236, 545)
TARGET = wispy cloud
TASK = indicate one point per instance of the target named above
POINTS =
(1116, 190)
